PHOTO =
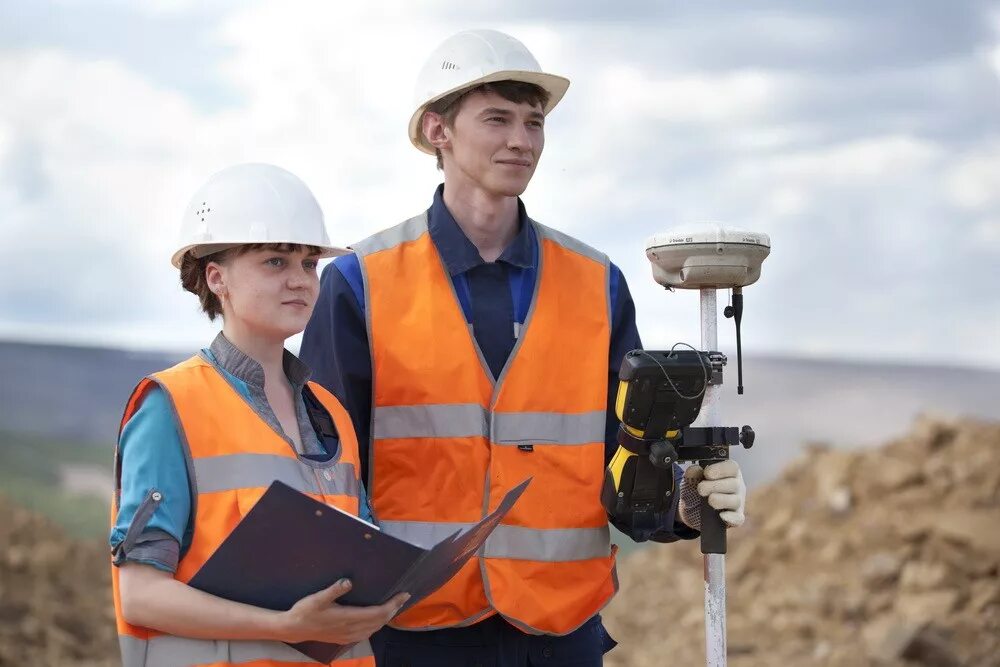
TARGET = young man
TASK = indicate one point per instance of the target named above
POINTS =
(474, 347)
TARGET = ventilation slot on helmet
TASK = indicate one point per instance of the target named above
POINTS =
(202, 211)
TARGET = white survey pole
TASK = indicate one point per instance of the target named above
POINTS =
(715, 564)
(709, 257)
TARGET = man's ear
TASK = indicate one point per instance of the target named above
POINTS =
(436, 131)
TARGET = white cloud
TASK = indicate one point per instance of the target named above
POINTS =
(861, 161)
(119, 157)
(974, 181)
(97, 162)
(697, 98)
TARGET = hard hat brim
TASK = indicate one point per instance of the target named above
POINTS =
(325, 251)
(553, 84)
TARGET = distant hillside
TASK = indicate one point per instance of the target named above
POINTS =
(71, 393)
(76, 394)
(791, 402)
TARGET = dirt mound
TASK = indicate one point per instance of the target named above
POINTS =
(851, 558)
(875, 557)
(55, 596)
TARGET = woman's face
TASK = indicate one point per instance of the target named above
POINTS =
(269, 293)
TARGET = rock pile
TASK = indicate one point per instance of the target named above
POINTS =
(851, 558)
(55, 596)
(875, 557)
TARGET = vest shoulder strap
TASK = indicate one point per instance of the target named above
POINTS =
(409, 230)
(571, 243)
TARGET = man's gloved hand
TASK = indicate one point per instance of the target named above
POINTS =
(722, 484)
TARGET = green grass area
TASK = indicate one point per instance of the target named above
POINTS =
(29, 477)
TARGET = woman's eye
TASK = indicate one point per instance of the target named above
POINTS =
(310, 264)
(276, 261)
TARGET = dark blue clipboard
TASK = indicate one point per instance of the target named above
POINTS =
(289, 546)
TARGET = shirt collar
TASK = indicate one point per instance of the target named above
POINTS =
(233, 360)
(459, 253)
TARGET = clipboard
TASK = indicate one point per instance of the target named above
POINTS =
(289, 546)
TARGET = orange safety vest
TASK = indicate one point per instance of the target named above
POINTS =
(447, 442)
(233, 456)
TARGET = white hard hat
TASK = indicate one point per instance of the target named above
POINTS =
(252, 203)
(473, 57)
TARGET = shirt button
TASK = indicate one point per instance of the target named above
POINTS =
(547, 652)
(157, 496)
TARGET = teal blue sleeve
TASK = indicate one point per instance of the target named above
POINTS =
(154, 487)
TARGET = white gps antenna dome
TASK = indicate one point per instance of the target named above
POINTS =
(707, 255)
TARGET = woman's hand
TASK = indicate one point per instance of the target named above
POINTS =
(153, 598)
(318, 617)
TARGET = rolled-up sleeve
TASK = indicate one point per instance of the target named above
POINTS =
(155, 502)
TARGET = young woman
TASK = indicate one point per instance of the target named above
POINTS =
(200, 442)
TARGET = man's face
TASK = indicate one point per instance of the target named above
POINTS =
(495, 143)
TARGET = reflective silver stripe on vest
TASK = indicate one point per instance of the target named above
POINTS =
(462, 420)
(548, 427)
(170, 651)
(243, 471)
(359, 650)
(549, 544)
(422, 533)
(456, 420)
(410, 230)
(514, 542)
(570, 243)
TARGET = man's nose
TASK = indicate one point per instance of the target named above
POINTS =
(519, 138)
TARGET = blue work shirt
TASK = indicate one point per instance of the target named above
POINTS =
(152, 460)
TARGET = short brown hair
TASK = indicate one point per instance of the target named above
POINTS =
(517, 92)
(193, 270)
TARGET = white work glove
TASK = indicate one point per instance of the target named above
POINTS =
(722, 484)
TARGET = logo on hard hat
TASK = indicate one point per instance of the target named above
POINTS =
(449, 65)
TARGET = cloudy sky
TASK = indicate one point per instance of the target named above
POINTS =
(864, 137)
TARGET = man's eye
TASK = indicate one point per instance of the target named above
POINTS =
(497, 119)
(276, 261)
(310, 264)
